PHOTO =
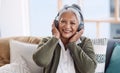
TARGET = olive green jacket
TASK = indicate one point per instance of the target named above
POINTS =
(48, 54)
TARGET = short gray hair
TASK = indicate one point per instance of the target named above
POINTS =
(75, 11)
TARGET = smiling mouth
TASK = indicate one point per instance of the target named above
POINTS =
(66, 31)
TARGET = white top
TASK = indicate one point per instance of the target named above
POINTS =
(66, 64)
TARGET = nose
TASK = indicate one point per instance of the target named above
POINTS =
(67, 25)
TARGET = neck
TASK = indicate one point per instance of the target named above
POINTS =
(65, 42)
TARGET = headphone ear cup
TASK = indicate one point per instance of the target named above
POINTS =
(81, 26)
(56, 23)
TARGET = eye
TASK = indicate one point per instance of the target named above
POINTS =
(63, 21)
(72, 23)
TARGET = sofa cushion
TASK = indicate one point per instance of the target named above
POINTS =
(114, 65)
(110, 48)
(19, 66)
(100, 46)
(18, 49)
(5, 48)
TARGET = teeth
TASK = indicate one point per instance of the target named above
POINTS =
(66, 31)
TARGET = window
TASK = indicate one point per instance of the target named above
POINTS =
(99, 17)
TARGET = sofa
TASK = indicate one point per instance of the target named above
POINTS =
(110, 49)
(5, 48)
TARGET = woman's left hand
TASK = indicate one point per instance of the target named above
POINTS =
(76, 36)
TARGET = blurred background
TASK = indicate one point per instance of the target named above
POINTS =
(35, 17)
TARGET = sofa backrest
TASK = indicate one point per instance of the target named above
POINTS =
(110, 48)
(5, 48)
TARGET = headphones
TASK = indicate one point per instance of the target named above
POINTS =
(76, 7)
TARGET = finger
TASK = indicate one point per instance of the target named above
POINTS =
(53, 24)
(53, 30)
(78, 34)
(53, 27)
(81, 31)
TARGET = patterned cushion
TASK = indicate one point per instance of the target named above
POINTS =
(100, 47)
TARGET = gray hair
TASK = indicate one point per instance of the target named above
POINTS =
(76, 12)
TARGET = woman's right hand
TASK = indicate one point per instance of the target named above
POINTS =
(55, 31)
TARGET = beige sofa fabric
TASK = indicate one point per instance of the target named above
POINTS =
(5, 48)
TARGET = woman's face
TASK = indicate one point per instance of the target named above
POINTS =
(68, 24)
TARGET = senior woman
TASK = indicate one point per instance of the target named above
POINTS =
(67, 51)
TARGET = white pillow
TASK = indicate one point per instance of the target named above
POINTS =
(19, 66)
(100, 47)
(26, 50)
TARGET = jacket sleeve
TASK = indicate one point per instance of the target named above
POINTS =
(84, 58)
(44, 53)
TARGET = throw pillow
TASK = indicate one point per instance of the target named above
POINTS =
(100, 47)
(114, 65)
(19, 66)
(25, 50)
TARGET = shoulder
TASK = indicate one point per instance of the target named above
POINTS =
(86, 42)
(48, 38)
(85, 39)
(82, 38)
(45, 39)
